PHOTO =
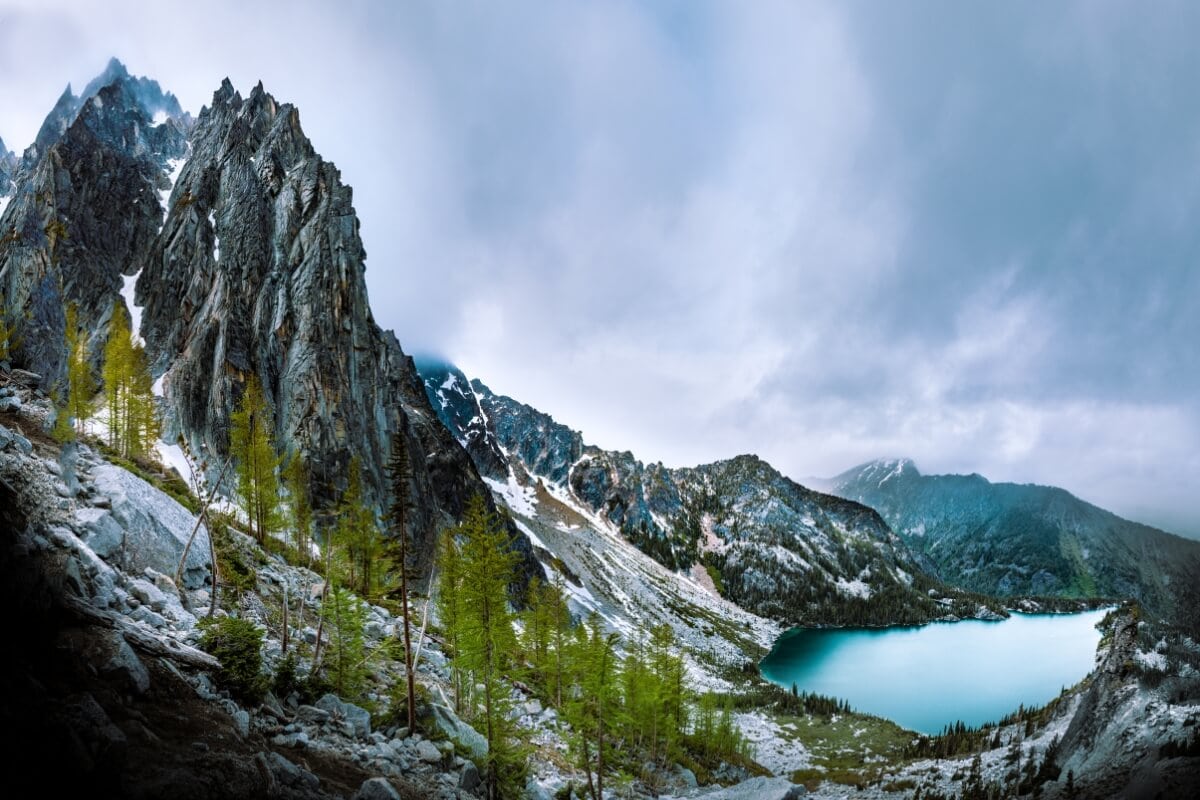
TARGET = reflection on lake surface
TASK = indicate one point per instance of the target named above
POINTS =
(927, 677)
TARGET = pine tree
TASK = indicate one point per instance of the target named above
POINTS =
(400, 470)
(253, 451)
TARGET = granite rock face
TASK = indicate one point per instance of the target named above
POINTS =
(8, 169)
(84, 211)
(259, 270)
(156, 528)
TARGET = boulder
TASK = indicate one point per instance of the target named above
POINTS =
(376, 789)
(112, 657)
(100, 531)
(459, 731)
(288, 773)
(156, 526)
(469, 780)
(148, 593)
(759, 789)
(358, 718)
(11, 440)
(428, 752)
(312, 714)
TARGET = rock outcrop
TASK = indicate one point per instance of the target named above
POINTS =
(8, 168)
(259, 270)
(84, 211)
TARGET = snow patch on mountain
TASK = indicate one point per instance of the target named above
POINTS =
(854, 588)
(521, 499)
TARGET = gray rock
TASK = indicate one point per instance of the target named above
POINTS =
(241, 721)
(148, 593)
(151, 618)
(688, 777)
(533, 707)
(11, 440)
(286, 298)
(472, 740)
(376, 789)
(469, 779)
(359, 719)
(100, 531)
(113, 658)
(165, 583)
(535, 791)
(96, 165)
(9, 404)
(759, 789)
(316, 716)
(428, 752)
(156, 526)
(299, 739)
(290, 774)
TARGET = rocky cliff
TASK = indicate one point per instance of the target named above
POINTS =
(259, 270)
(84, 211)
(8, 168)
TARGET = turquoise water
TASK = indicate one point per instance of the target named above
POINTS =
(927, 677)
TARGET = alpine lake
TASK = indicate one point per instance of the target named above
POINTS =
(927, 677)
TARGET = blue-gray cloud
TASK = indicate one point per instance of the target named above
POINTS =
(822, 233)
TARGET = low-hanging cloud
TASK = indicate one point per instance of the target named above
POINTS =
(819, 232)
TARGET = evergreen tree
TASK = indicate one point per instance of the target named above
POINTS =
(450, 608)
(487, 638)
(400, 470)
(595, 705)
(358, 534)
(346, 617)
(254, 452)
(295, 479)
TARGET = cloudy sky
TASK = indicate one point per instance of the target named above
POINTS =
(967, 233)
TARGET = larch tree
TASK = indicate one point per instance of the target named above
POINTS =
(357, 533)
(132, 419)
(488, 638)
(252, 449)
(81, 385)
(300, 509)
(401, 473)
(450, 609)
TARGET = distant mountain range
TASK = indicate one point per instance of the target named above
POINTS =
(772, 546)
(1008, 539)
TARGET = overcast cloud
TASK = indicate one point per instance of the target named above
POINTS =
(965, 233)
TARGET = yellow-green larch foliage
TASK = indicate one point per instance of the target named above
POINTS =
(253, 452)
(132, 417)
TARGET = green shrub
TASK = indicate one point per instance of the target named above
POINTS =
(237, 644)
(286, 680)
